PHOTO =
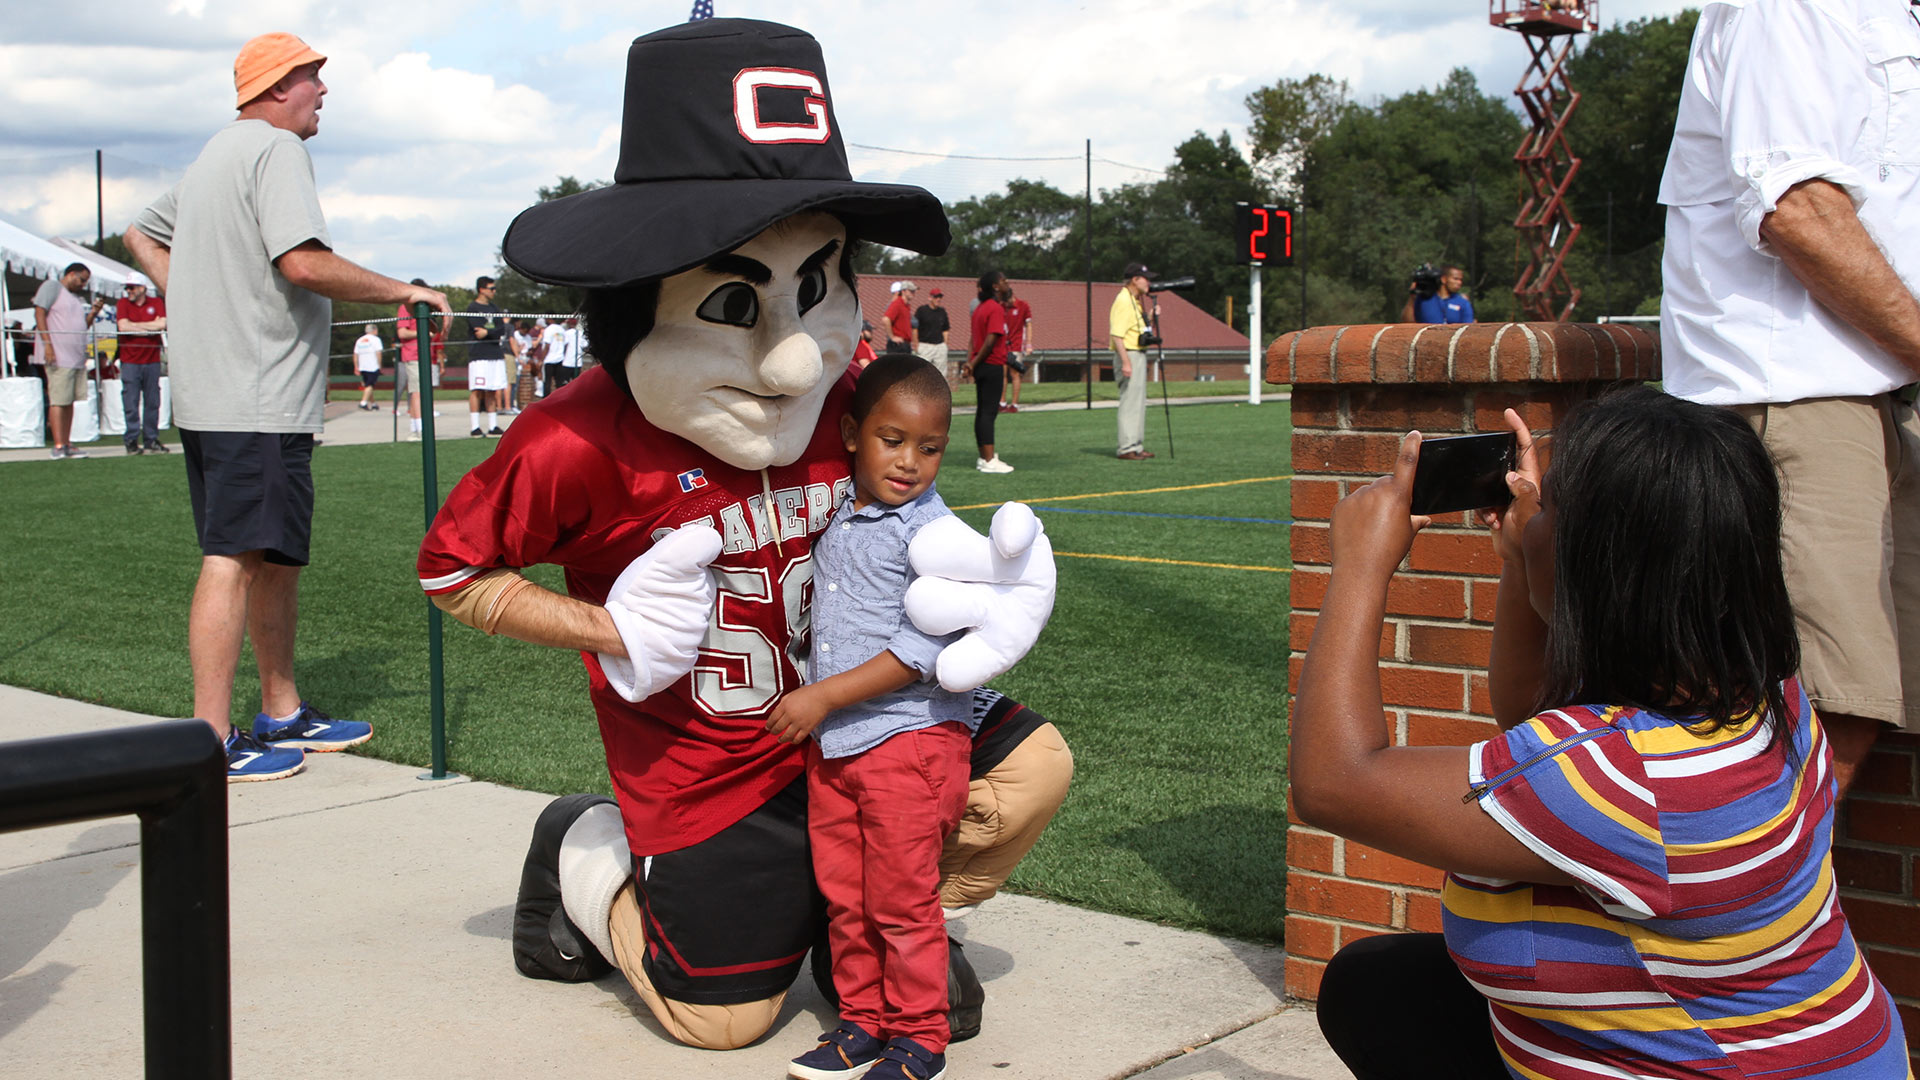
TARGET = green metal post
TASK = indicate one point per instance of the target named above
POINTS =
(436, 666)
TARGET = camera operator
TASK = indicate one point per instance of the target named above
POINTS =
(1434, 296)
(1125, 323)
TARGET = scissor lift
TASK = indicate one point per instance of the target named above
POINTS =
(1545, 223)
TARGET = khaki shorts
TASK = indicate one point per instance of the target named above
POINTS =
(64, 384)
(1850, 542)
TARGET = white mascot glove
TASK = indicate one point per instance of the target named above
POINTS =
(1000, 589)
(661, 604)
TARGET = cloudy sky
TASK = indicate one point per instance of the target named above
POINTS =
(444, 118)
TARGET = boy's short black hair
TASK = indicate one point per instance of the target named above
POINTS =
(621, 317)
(1668, 593)
(898, 371)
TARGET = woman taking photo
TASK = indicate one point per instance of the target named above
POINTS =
(1640, 881)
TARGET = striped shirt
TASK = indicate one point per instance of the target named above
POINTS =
(1705, 938)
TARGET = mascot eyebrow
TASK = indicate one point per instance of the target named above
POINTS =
(757, 272)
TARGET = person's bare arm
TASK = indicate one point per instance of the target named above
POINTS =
(1121, 361)
(520, 609)
(1517, 669)
(1816, 233)
(154, 257)
(1346, 775)
(314, 268)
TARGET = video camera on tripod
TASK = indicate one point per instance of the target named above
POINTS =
(1151, 336)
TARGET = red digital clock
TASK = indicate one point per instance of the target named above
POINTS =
(1264, 235)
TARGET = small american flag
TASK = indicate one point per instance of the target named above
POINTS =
(702, 9)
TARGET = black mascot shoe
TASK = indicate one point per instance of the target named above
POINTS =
(547, 944)
(965, 995)
(822, 963)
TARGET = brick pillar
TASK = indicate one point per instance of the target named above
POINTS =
(1876, 856)
(1356, 391)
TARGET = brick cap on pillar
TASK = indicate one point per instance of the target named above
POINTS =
(1535, 352)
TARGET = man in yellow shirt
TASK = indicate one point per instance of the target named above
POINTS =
(1124, 323)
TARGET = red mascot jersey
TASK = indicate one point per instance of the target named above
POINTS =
(583, 481)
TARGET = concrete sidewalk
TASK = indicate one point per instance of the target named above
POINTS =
(370, 939)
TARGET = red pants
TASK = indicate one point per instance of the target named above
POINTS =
(877, 822)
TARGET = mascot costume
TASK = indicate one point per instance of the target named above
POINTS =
(679, 485)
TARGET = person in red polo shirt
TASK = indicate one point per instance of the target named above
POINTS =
(140, 318)
(899, 318)
(1019, 314)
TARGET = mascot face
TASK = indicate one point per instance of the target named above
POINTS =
(744, 349)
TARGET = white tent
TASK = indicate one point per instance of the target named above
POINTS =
(27, 254)
(30, 256)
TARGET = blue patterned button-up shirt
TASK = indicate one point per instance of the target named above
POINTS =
(860, 580)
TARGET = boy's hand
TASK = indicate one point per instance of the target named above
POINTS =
(796, 714)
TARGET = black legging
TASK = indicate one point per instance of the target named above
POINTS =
(987, 381)
(1396, 1007)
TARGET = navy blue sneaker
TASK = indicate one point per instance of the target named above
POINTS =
(905, 1059)
(311, 729)
(844, 1053)
(250, 759)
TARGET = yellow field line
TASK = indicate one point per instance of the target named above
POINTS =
(1173, 562)
(1138, 491)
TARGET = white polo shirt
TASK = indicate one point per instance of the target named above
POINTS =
(1778, 92)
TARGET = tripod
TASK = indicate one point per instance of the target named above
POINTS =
(1160, 362)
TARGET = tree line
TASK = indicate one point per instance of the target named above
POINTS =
(1377, 188)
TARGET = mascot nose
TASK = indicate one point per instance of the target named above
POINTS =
(791, 363)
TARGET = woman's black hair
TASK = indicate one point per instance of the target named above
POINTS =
(986, 283)
(898, 371)
(1667, 588)
(621, 317)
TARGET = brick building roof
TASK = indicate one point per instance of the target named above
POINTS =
(1059, 313)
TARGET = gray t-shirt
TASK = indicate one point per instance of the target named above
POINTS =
(248, 349)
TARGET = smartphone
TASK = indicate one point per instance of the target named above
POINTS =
(1464, 473)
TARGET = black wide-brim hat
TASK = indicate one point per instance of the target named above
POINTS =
(729, 127)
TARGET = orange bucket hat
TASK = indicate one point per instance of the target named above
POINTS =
(266, 60)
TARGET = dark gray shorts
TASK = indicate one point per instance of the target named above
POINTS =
(251, 492)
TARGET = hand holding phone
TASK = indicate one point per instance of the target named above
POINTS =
(1464, 473)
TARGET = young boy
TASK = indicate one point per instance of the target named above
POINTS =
(887, 773)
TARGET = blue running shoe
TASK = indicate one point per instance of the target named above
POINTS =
(250, 759)
(845, 1053)
(311, 729)
(905, 1059)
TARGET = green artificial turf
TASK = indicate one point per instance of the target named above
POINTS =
(1166, 678)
